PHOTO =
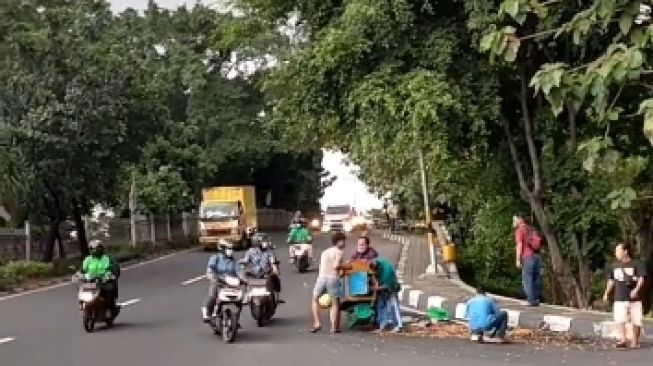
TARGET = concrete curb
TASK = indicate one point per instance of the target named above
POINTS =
(418, 301)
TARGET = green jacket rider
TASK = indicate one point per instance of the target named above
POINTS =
(299, 234)
(99, 266)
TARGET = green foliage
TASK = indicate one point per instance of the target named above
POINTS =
(488, 259)
(548, 119)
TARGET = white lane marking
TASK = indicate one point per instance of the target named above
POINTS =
(7, 340)
(193, 280)
(63, 284)
(129, 302)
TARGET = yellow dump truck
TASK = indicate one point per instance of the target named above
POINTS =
(227, 213)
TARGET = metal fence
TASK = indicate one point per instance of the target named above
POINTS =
(28, 242)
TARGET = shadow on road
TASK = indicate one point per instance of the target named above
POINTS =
(119, 326)
(290, 322)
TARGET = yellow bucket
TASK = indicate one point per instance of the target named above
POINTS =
(449, 253)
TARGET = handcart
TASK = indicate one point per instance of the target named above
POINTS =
(359, 284)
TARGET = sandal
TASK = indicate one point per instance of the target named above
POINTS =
(335, 331)
(316, 329)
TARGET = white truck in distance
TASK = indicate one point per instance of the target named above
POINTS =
(338, 218)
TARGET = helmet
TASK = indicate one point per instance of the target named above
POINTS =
(228, 252)
(324, 301)
(94, 244)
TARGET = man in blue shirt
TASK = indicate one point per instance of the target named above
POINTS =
(483, 315)
(219, 264)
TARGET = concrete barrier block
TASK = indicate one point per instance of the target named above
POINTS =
(435, 301)
(513, 318)
(461, 309)
(413, 297)
(556, 323)
(608, 329)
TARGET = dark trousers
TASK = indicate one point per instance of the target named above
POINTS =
(499, 326)
(212, 298)
(109, 291)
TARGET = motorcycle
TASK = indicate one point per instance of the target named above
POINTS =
(302, 256)
(262, 299)
(93, 304)
(225, 319)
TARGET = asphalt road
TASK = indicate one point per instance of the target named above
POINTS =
(162, 327)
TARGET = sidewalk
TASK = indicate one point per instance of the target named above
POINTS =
(420, 293)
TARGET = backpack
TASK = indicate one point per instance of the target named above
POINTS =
(534, 240)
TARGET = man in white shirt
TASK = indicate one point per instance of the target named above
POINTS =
(328, 281)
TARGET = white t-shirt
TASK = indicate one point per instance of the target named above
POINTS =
(329, 262)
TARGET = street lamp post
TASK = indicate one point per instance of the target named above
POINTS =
(433, 267)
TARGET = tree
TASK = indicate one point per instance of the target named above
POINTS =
(380, 80)
(76, 102)
(588, 60)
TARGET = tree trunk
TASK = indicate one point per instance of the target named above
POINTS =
(644, 239)
(559, 266)
(81, 229)
(62, 250)
(48, 252)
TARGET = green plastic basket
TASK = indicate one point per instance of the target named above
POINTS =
(360, 315)
(437, 314)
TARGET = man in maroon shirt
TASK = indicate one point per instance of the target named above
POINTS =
(528, 259)
(364, 250)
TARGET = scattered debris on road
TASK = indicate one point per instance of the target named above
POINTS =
(454, 330)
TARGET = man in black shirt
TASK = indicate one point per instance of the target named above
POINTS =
(626, 278)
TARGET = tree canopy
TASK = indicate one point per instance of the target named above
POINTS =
(93, 101)
(520, 106)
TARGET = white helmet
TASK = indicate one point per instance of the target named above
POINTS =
(94, 244)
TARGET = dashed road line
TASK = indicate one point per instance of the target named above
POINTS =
(7, 340)
(129, 302)
(193, 280)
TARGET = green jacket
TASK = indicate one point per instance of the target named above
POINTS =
(95, 267)
(299, 235)
(386, 275)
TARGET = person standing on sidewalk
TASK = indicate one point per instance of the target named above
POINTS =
(393, 213)
(483, 315)
(626, 278)
(527, 252)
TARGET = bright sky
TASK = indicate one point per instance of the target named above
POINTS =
(347, 189)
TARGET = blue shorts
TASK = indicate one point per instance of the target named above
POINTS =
(327, 285)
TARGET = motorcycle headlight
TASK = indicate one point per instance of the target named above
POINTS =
(232, 281)
(85, 296)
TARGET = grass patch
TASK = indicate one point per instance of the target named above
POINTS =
(16, 273)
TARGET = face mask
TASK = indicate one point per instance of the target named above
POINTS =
(265, 245)
(229, 252)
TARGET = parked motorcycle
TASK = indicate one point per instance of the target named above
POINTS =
(302, 256)
(225, 319)
(93, 305)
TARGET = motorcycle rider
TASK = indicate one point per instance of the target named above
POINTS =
(299, 234)
(296, 220)
(99, 266)
(260, 261)
(219, 264)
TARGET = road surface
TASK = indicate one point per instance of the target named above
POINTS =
(161, 326)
